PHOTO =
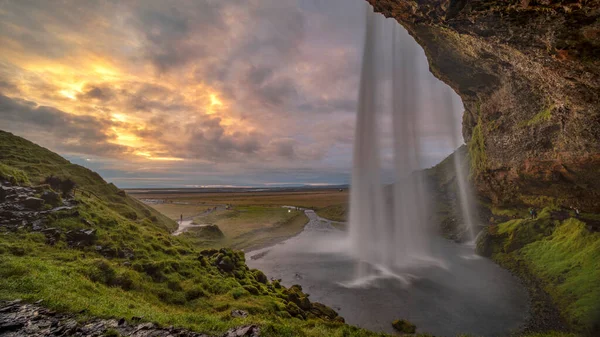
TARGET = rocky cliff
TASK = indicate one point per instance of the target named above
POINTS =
(528, 73)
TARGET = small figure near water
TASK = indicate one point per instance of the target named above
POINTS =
(533, 212)
(181, 218)
(577, 213)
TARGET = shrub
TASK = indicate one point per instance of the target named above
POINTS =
(65, 186)
(195, 293)
(238, 292)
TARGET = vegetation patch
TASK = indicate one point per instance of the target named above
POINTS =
(562, 254)
(334, 212)
(543, 116)
(14, 175)
(477, 152)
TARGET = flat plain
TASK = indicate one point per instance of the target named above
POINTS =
(248, 219)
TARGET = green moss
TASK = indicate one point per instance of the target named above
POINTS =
(477, 152)
(543, 116)
(569, 263)
(563, 256)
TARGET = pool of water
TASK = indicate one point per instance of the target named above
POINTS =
(457, 292)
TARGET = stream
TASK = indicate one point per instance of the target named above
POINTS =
(459, 294)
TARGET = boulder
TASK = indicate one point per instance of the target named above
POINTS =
(260, 277)
(33, 203)
(225, 264)
(52, 235)
(321, 310)
(404, 326)
(51, 198)
(81, 237)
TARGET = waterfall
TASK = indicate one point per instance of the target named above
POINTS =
(389, 223)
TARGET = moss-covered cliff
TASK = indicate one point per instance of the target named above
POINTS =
(528, 73)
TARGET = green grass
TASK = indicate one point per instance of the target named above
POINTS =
(334, 212)
(569, 261)
(14, 175)
(251, 227)
(564, 256)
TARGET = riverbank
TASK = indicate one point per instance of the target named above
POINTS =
(557, 259)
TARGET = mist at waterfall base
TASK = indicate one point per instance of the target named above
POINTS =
(392, 263)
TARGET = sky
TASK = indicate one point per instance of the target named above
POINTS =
(196, 93)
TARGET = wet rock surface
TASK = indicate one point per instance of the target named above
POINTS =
(18, 319)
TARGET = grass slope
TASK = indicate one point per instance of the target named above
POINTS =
(563, 255)
(334, 212)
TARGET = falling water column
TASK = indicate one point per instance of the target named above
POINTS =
(366, 193)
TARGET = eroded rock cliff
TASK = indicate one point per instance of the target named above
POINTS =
(528, 73)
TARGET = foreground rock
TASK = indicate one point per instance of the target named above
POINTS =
(20, 319)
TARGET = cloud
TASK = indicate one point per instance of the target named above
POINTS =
(215, 90)
(82, 134)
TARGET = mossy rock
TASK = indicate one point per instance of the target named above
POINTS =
(251, 289)
(404, 326)
(260, 276)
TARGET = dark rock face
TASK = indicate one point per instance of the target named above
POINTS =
(528, 73)
(20, 320)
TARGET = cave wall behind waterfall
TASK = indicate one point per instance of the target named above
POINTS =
(528, 73)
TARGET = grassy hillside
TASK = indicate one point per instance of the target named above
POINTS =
(334, 212)
(38, 163)
(562, 255)
(134, 267)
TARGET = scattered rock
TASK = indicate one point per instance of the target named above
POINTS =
(52, 235)
(20, 320)
(81, 237)
(404, 326)
(37, 225)
(33, 203)
(243, 331)
(239, 313)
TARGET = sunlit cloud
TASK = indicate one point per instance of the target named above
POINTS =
(212, 92)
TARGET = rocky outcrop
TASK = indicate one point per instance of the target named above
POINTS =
(528, 73)
(20, 320)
